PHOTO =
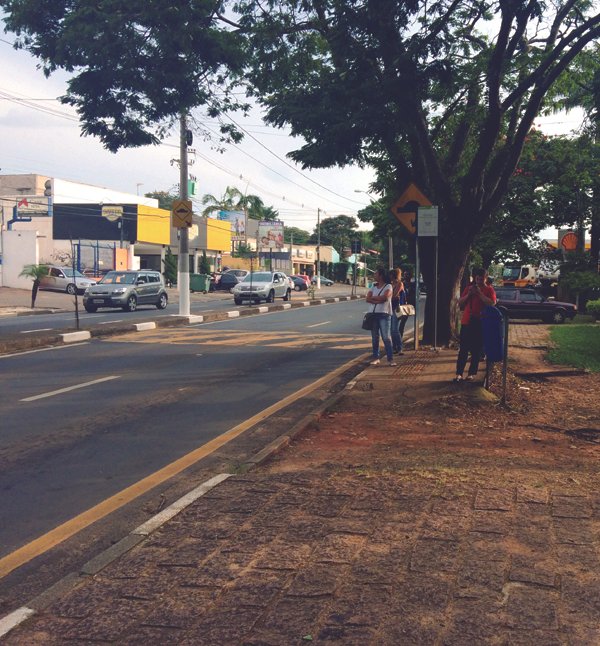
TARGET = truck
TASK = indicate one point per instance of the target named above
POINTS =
(518, 275)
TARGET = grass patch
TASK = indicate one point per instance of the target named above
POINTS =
(576, 345)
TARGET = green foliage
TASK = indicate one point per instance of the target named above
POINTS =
(438, 92)
(593, 307)
(580, 281)
(165, 198)
(300, 236)
(340, 271)
(336, 231)
(35, 272)
(135, 65)
(243, 251)
(204, 264)
(576, 345)
(170, 268)
(234, 200)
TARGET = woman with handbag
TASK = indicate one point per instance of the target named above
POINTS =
(398, 298)
(380, 296)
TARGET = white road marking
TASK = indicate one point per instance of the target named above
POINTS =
(66, 390)
(59, 347)
(42, 329)
(109, 322)
(317, 324)
(14, 619)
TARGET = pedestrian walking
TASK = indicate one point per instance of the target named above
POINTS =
(398, 298)
(380, 296)
(472, 301)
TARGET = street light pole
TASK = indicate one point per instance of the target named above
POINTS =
(318, 248)
(184, 247)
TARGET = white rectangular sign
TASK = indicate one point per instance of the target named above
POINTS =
(428, 221)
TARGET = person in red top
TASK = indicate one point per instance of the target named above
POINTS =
(472, 301)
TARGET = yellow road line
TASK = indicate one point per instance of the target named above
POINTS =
(68, 529)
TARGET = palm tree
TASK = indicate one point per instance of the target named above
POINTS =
(234, 200)
(36, 272)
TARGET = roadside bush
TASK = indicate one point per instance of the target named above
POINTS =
(593, 307)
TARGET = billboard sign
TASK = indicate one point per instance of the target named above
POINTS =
(237, 219)
(38, 205)
(270, 234)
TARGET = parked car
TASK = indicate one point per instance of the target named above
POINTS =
(127, 290)
(240, 273)
(299, 283)
(224, 282)
(64, 279)
(305, 278)
(325, 282)
(262, 285)
(529, 304)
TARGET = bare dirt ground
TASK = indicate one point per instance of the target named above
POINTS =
(550, 423)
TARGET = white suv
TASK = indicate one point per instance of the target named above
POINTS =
(262, 286)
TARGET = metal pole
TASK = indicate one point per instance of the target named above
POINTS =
(184, 249)
(391, 252)
(319, 249)
(505, 357)
(417, 272)
(435, 303)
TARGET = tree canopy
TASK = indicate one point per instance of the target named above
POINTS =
(440, 92)
(336, 231)
(136, 65)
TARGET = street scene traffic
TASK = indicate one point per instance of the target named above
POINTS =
(299, 323)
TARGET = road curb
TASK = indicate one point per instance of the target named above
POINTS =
(141, 533)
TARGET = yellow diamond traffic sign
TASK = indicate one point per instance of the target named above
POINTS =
(182, 214)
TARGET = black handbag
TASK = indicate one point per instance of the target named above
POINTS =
(370, 317)
(368, 320)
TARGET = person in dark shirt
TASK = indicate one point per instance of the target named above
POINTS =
(472, 301)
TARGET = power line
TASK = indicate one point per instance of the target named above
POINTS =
(288, 164)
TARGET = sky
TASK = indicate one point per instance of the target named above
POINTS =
(40, 135)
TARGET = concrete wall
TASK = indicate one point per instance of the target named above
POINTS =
(20, 249)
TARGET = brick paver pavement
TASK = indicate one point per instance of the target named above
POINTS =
(528, 335)
(290, 558)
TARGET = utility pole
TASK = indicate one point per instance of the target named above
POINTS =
(184, 246)
(391, 252)
(318, 248)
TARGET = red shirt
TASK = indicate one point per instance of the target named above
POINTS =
(475, 305)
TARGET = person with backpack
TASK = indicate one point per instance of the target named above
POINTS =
(472, 301)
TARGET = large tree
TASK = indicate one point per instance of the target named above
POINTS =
(336, 231)
(440, 92)
(136, 65)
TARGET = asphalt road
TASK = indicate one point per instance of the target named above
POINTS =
(81, 423)
(63, 321)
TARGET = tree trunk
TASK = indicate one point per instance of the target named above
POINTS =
(34, 291)
(452, 258)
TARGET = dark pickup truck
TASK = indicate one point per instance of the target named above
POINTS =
(529, 304)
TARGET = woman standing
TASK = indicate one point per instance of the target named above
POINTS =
(398, 298)
(380, 296)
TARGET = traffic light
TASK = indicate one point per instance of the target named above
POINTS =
(48, 188)
(355, 246)
(189, 137)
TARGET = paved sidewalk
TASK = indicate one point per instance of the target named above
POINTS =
(396, 544)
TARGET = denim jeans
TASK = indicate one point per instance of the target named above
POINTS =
(396, 336)
(381, 326)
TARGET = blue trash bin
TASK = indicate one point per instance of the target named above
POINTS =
(492, 323)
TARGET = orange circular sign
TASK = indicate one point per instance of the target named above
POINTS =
(569, 241)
